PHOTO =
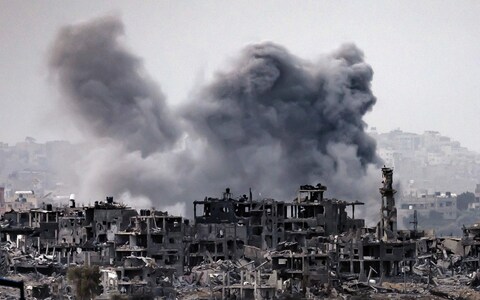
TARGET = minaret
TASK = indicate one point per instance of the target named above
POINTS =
(388, 222)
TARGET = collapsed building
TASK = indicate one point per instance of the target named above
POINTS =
(241, 248)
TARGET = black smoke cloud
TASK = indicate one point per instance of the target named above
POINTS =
(108, 89)
(302, 112)
(271, 122)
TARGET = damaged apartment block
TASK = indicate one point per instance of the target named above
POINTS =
(235, 248)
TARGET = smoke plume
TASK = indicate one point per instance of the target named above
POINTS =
(278, 120)
(107, 88)
(271, 122)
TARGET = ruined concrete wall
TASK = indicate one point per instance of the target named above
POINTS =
(71, 231)
(107, 222)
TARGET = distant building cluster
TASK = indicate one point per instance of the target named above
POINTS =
(444, 204)
(429, 162)
(33, 173)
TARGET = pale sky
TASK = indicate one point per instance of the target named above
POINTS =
(425, 54)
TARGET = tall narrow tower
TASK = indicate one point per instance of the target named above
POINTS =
(387, 228)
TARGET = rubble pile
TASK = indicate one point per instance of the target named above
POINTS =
(42, 276)
(38, 286)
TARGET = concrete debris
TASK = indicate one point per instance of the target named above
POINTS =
(238, 248)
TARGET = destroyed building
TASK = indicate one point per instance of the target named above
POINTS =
(240, 248)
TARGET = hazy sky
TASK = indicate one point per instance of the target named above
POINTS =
(425, 54)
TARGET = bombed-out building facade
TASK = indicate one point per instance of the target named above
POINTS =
(239, 247)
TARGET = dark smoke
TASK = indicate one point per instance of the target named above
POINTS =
(305, 114)
(273, 122)
(108, 89)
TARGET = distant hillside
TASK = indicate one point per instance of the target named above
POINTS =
(428, 162)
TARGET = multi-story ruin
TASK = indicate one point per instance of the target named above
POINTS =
(248, 248)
